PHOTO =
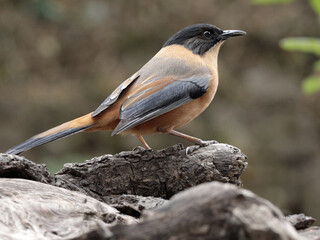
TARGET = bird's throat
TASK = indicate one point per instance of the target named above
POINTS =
(211, 57)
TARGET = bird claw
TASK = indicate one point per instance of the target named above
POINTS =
(190, 149)
(187, 151)
(138, 149)
(206, 143)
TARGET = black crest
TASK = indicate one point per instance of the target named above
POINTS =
(199, 38)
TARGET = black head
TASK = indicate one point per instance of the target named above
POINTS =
(199, 38)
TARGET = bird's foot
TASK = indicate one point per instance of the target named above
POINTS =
(198, 145)
(139, 149)
(202, 143)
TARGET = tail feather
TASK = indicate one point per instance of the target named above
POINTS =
(62, 131)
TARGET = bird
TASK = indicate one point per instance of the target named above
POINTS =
(175, 86)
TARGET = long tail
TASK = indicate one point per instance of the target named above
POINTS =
(66, 129)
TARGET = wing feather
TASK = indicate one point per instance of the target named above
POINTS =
(115, 95)
(166, 99)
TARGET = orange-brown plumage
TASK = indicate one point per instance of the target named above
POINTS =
(169, 91)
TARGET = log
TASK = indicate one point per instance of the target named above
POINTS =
(32, 210)
(211, 211)
(14, 166)
(303, 224)
(133, 205)
(300, 221)
(123, 196)
(311, 233)
(156, 173)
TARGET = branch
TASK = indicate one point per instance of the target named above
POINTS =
(157, 173)
(208, 211)
(160, 173)
(32, 210)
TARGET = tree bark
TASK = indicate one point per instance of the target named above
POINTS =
(14, 166)
(300, 221)
(211, 211)
(157, 173)
(160, 173)
(123, 196)
(32, 210)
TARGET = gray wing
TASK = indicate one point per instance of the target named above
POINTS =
(162, 101)
(115, 95)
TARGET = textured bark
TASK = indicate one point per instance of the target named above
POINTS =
(300, 221)
(133, 205)
(157, 173)
(209, 211)
(303, 224)
(14, 166)
(32, 210)
(161, 173)
(312, 233)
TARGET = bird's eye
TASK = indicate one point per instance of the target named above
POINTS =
(207, 34)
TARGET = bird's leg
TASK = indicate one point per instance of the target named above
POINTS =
(185, 136)
(197, 141)
(144, 143)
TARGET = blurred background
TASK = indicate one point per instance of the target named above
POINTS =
(61, 59)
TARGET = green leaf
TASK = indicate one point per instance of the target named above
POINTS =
(301, 44)
(315, 4)
(311, 85)
(316, 66)
(271, 1)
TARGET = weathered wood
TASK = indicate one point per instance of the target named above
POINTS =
(14, 166)
(209, 211)
(303, 224)
(133, 205)
(154, 173)
(311, 233)
(300, 221)
(160, 173)
(111, 179)
(32, 210)
(157, 173)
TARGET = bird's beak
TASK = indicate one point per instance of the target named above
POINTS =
(231, 33)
